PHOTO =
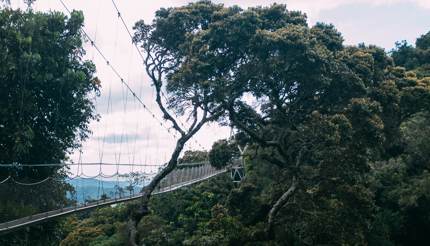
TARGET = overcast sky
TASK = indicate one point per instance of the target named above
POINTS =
(128, 134)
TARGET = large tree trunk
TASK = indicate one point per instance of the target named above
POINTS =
(278, 205)
(142, 210)
(132, 232)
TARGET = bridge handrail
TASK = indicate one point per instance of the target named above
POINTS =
(36, 218)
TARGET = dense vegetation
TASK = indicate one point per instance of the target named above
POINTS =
(45, 109)
(337, 136)
(338, 150)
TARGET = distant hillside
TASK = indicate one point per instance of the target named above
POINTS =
(90, 189)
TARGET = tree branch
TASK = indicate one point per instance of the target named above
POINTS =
(255, 135)
(273, 160)
(195, 115)
(284, 198)
(158, 84)
(279, 204)
(155, 62)
(171, 165)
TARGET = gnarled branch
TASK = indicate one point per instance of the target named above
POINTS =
(279, 204)
(284, 198)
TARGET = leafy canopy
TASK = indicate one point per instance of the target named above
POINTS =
(46, 92)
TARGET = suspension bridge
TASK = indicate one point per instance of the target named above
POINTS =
(144, 159)
(184, 175)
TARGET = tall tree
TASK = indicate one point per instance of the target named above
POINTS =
(307, 101)
(271, 57)
(45, 109)
(414, 58)
(400, 181)
(337, 135)
(167, 44)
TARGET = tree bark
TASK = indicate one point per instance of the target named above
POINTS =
(137, 214)
(132, 232)
(278, 205)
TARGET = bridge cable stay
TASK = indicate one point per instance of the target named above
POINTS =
(118, 156)
(100, 150)
(129, 139)
(118, 75)
(138, 126)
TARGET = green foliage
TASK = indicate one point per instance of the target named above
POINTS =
(45, 110)
(322, 113)
(345, 126)
(45, 104)
(157, 231)
(312, 116)
(193, 156)
(402, 187)
(103, 227)
(176, 217)
(414, 58)
(222, 153)
(221, 229)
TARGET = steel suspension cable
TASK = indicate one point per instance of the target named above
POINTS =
(30, 184)
(79, 164)
(117, 74)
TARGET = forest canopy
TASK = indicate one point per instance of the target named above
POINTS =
(336, 136)
(329, 119)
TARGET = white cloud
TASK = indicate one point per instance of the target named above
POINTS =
(313, 7)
